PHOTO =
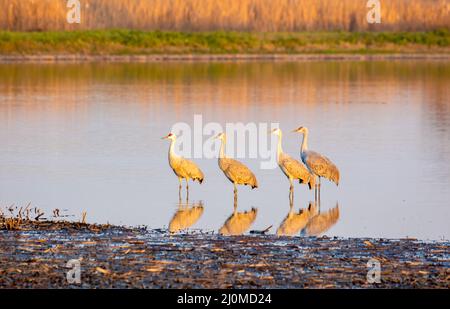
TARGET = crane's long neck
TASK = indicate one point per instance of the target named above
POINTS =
(222, 148)
(171, 149)
(279, 148)
(305, 142)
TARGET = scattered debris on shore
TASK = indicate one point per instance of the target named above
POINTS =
(34, 254)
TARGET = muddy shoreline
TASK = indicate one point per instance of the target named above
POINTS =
(35, 255)
(75, 58)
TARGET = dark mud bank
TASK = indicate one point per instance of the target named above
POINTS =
(36, 256)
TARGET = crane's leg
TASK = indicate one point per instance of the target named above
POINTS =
(319, 191)
(187, 188)
(179, 188)
(291, 201)
(235, 193)
(291, 193)
(315, 190)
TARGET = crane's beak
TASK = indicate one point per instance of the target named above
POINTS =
(295, 131)
(165, 137)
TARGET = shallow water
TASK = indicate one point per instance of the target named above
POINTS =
(86, 137)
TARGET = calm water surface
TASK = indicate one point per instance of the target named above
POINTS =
(87, 137)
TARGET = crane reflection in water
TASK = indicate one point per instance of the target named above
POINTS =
(186, 216)
(294, 222)
(321, 222)
(238, 222)
(309, 221)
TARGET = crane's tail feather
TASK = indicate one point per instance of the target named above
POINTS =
(199, 179)
(336, 177)
(255, 183)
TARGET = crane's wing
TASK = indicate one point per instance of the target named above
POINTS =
(240, 173)
(295, 168)
(320, 165)
(191, 169)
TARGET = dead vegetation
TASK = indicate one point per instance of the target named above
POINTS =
(15, 218)
(211, 15)
(12, 217)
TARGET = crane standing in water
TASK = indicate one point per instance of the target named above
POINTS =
(183, 168)
(292, 168)
(318, 164)
(235, 171)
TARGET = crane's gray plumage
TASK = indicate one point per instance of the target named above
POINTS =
(186, 169)
(183, 168)
(318, 164)
(235, 171)
(321, 165)
(292, 168)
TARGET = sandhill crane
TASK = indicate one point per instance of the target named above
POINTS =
(185, 216)
(292, 168)
(183, 168)
(318, 164)
(235, 171)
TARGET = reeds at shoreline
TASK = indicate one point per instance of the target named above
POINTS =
(227, 15)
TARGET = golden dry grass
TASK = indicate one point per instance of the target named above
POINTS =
(239, 15)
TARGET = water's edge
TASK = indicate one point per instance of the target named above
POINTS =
(217, 57)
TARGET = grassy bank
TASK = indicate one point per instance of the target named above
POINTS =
(133, 42)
